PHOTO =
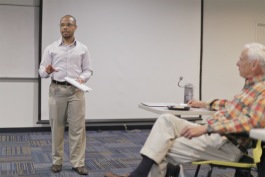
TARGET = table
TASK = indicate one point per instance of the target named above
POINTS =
(257, 133)
(179, 113)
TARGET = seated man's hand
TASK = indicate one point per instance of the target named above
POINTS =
(197, 104)
(193, 131)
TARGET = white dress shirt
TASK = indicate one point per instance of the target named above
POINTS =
(69, 60)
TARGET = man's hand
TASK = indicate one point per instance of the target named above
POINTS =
(193, 131)
(50, 69)
(197, 104)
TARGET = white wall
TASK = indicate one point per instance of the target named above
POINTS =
(18, 103)
(19, 31)
(228, 25)
(18, 46)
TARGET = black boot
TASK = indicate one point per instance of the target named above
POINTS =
(243, 172)
(172, 170)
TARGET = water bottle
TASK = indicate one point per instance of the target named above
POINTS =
(188, 92)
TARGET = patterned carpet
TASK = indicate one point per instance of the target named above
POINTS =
(29, 154)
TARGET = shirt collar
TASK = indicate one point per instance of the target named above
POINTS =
(60, 42)
(254, 80)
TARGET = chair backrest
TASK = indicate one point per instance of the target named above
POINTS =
(257, 152)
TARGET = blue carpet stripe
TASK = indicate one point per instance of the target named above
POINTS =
(17, 168)
(13, 137)
(15, 158)
(14, 150)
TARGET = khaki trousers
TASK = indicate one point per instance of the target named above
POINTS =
(67, 104)
(164, 145)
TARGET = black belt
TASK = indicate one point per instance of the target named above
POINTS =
(61, 83)
(234, 142)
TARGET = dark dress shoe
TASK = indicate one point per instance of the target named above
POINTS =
(81, 170)
(56, 168)
(172, 170)
(109, 174)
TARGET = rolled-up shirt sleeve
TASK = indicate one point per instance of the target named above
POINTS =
(232, 121)
(87, 71)
(217, 104)
(46, 60)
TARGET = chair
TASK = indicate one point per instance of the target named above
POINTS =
(257, 160)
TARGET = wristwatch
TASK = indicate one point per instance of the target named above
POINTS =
(209, 129)
(212, 102)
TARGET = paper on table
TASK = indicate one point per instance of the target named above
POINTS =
(157, 104)
(78, 85)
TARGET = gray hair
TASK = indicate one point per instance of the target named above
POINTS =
(256, 51)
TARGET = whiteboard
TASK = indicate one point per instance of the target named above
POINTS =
(139, 49)
(18, 47)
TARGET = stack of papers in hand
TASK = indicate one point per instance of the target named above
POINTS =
(78, 85)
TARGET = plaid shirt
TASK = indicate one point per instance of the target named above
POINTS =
(244, 112)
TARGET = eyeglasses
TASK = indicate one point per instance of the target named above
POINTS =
(66, 25)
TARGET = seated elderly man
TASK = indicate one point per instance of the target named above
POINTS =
(178, 141)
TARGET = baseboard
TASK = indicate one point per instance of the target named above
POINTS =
(110, 121)
(92, 125)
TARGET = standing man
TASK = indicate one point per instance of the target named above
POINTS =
(178, 141)
(67, 57)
